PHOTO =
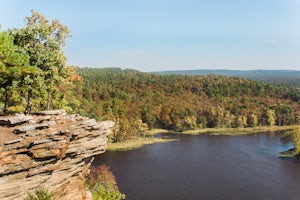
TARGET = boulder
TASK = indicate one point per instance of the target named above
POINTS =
(14, 120)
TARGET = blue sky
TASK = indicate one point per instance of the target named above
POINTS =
(154, 35)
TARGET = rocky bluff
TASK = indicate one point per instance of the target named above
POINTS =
(50, 149)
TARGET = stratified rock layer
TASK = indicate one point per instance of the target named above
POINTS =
(51, 150)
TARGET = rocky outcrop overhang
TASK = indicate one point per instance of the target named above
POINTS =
(50, 149)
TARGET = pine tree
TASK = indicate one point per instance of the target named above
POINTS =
(14, 68)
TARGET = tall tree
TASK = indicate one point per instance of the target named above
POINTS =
(14, 67)
(43, 41)
(271, 117)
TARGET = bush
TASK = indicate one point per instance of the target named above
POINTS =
(40, 194)
(102, 184)
(106, 192)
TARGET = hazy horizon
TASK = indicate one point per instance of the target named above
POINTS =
(204, 69)
(195, 69)
(172, 35)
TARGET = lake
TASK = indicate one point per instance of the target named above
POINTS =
(207, 167)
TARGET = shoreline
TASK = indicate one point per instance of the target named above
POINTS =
(140, 142)
(225, 131)
(135, 143)
(239, 131)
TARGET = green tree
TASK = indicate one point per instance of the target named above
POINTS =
(241, 121)
(14, 69)
(253, 120)
(140, 126)
(271, 117)
(43, 41)
(31, 81)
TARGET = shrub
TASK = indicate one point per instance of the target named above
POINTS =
(106, 192)
(40, 194)
(102, 184)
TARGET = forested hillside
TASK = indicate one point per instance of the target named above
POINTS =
(277, 77)
(136, 100)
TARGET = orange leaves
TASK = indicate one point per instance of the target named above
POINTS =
(101, 174)
(74, 76)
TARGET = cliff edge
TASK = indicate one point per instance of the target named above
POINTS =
(49, 149)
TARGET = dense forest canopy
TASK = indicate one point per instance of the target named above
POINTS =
(181, 102)
(277, 77)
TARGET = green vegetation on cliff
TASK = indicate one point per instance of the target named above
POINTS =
(40, 194)
(102, 184)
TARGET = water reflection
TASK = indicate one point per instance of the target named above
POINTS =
(207, 167)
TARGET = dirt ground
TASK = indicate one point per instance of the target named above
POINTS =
(6, 135)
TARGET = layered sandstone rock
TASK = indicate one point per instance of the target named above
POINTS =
(48, 149)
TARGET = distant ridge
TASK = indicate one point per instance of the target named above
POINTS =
(279, 77)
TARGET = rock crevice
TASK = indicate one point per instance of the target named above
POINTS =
(49, 149)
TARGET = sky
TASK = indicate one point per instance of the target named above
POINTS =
(160, 35)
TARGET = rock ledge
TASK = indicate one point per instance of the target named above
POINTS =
(51, 149)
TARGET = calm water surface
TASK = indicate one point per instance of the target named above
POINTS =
(207, 168)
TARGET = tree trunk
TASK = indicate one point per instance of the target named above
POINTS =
(5, 102)
(49, 100)
(29, 102)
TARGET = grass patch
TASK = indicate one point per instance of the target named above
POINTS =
(135, 143)
(153, 132)
(238, 131)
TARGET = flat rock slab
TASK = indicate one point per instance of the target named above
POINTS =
(51, 112)
(14, 120)
(32, 127)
